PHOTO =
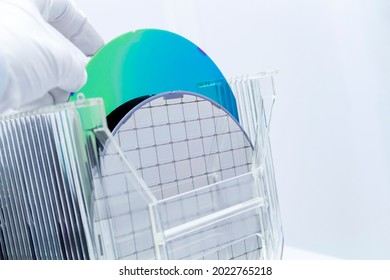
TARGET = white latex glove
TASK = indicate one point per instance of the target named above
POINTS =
(43, 49)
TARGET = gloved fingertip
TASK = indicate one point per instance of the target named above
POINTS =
(71, 22)
(88, 40)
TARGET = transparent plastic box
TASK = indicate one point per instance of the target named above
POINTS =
(62, 197)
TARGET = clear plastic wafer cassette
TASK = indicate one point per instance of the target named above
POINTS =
(178, 177)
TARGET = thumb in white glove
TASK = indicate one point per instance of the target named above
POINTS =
(43, 48)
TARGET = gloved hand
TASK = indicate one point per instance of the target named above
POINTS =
(43, 49)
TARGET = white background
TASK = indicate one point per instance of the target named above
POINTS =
(331, 124)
